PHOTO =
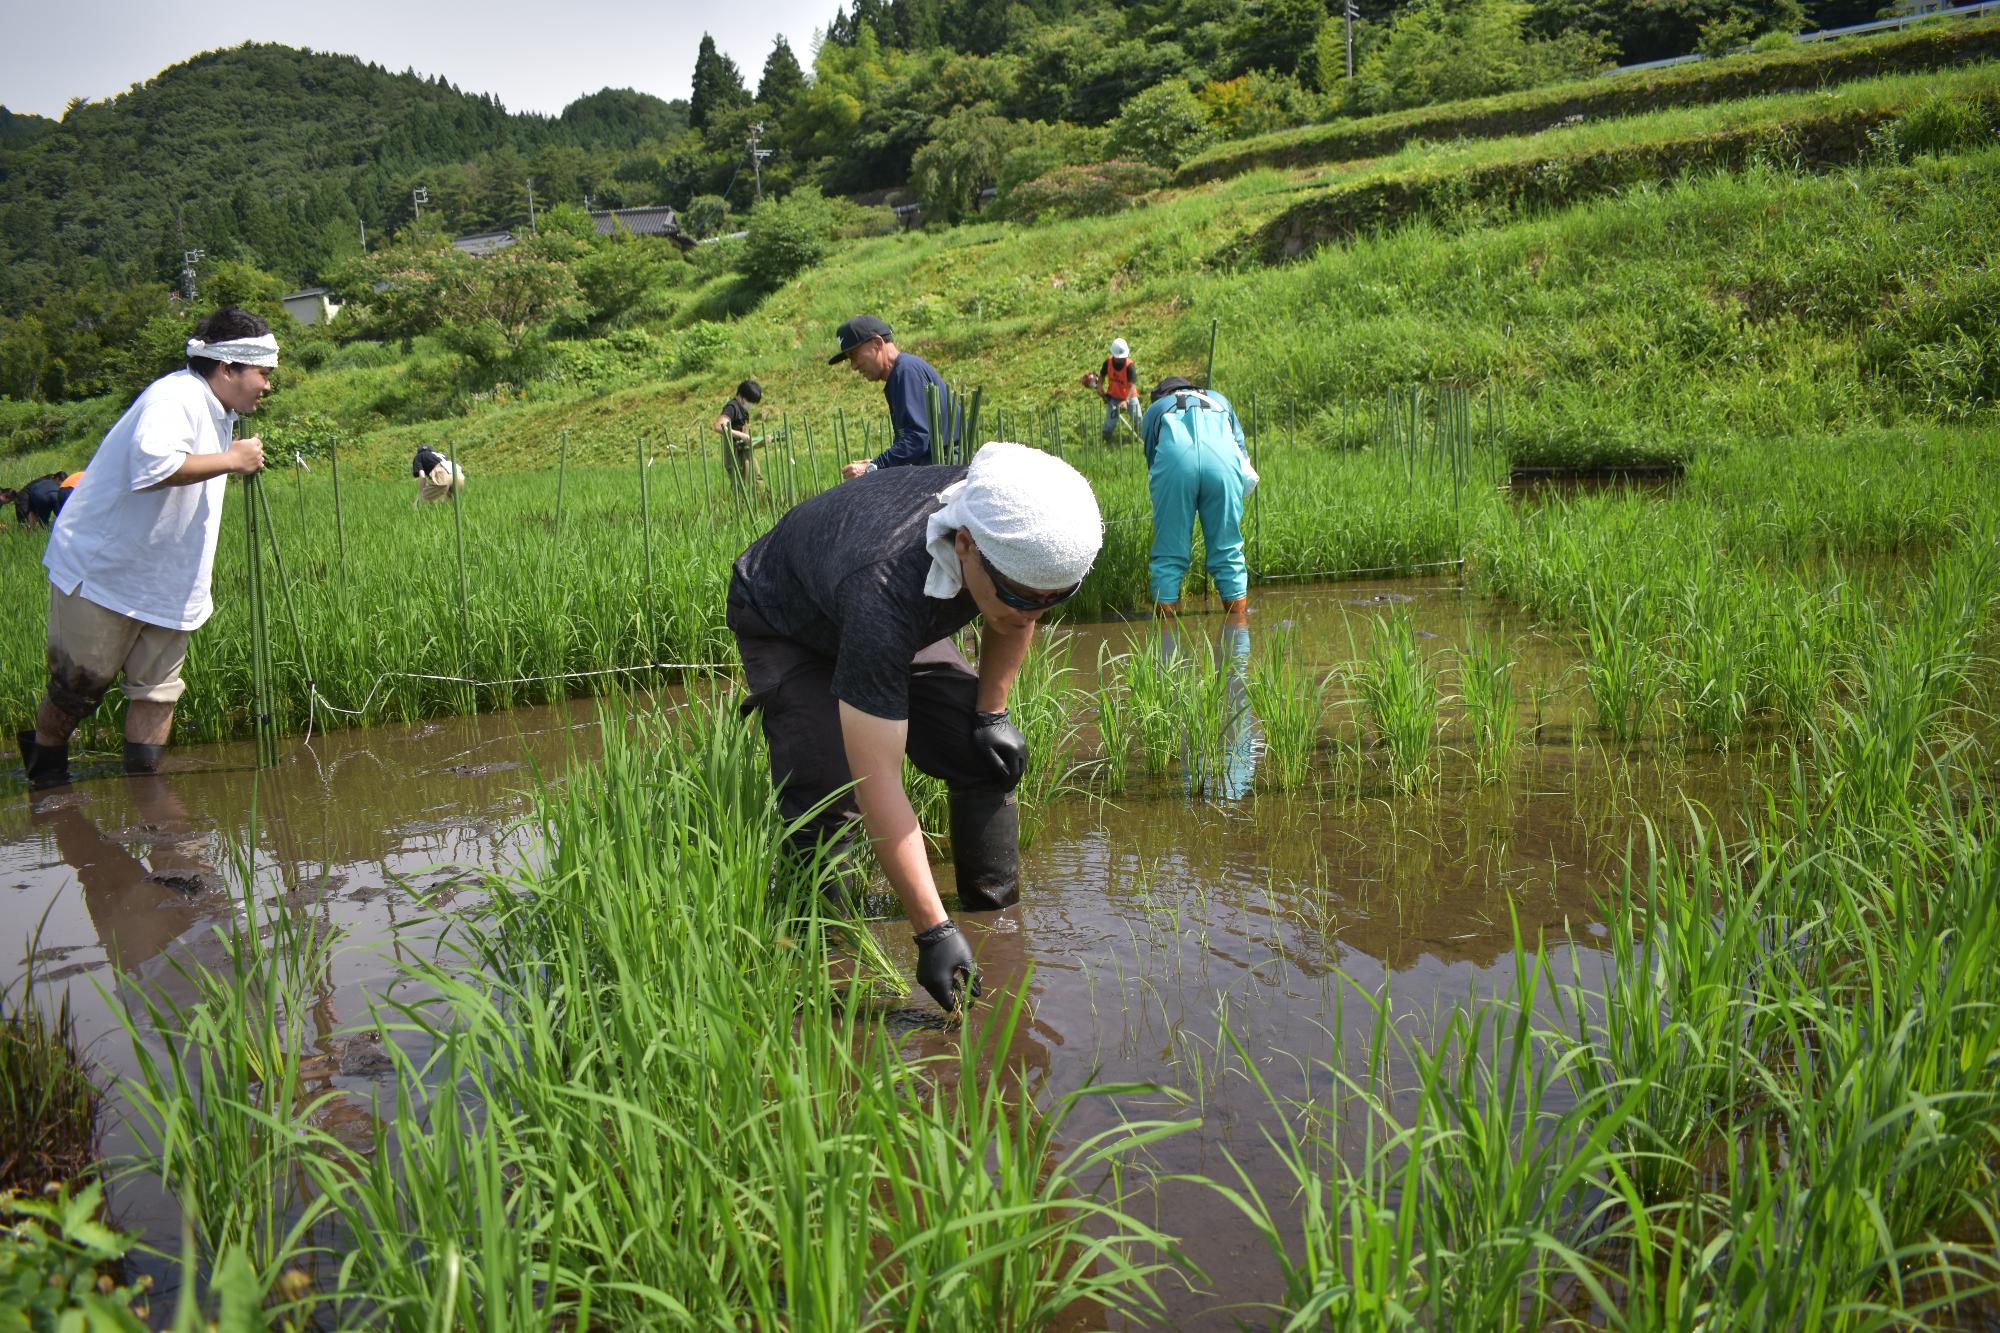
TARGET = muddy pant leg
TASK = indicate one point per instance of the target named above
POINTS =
(1172, 483)
(985, 821)
(1220, 502)
(791, 691)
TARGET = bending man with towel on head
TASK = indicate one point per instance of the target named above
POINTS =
(843, 613)
(129, 563)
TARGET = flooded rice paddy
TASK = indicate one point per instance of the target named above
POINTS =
(1149, 917)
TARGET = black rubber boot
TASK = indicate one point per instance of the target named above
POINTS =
(143, 759)
(986, 849)
(47, 765)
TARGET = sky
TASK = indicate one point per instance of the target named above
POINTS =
(533, 55)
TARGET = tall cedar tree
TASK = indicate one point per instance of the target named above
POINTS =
(718, 85)
(783, 82)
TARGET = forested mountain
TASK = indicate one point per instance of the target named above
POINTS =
(276, 156)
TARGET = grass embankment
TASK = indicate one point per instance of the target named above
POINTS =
(1482, 179)
(1758, 74)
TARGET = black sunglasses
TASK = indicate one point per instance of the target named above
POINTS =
(1021, 601)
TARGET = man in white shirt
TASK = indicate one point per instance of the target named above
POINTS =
(130, 557)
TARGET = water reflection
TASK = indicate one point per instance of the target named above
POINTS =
(1219, 750)
(139, 902)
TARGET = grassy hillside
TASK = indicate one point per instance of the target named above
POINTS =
(1647, 322)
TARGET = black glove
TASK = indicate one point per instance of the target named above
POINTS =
(1000, 743)
(944, 962)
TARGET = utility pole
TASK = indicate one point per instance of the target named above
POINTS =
(757, 156)
(189, 259)
(1352, 12)
(364, 236)
(531, 203)
(418, 198)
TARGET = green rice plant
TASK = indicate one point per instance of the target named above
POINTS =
(1154, 685)
(656, 1095)
(1486, 691)
(1672, 1016)
(984, 1227)
(48, 1103)
(1047, 708)
(1716, 649)
(1114, 717)
(1399, 691)
(1290, 703)
(1624, 671)
(223, 1105)
(1459, 1200)
(1794, 676)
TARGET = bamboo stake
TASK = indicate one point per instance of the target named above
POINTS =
(562, 477)
(260, 649)
(646, 539)
(339, 518)
(464, 615)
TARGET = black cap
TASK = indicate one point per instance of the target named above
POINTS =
(855, 332)
(1169, 385)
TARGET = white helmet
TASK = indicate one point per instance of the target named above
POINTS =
(1119, 350)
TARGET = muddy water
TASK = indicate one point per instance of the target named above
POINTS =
(1147, 918)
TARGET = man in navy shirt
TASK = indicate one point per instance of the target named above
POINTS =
(867, 344)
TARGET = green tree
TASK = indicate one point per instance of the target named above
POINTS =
(1162, 126)
(783, 83)
(1256, 103)
(718, 85)
(1442, 50)
(1278, 36)
(962, 159)
(787, 236)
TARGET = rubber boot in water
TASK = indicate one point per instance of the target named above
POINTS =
(986, 849)
(142, 759)
(47, 765)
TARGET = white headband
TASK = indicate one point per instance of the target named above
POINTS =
(261, 350)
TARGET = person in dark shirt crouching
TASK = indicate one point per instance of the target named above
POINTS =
(843, 613)
(867, 344)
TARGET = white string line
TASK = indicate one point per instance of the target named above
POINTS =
(315, 699)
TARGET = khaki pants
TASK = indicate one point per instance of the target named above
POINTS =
(91, 646)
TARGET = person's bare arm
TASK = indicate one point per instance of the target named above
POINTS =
(875, 747)
(1001, 653)
(740, 436)
(241, 458)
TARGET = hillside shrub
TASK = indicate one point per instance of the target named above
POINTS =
(1163, 126)
(787, 236)
(706, 215)
(1798, 68)
(1256, 103)
(362, 355)
(1047, 147)
(311, 436)
(1084, 191)
(699, 348)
